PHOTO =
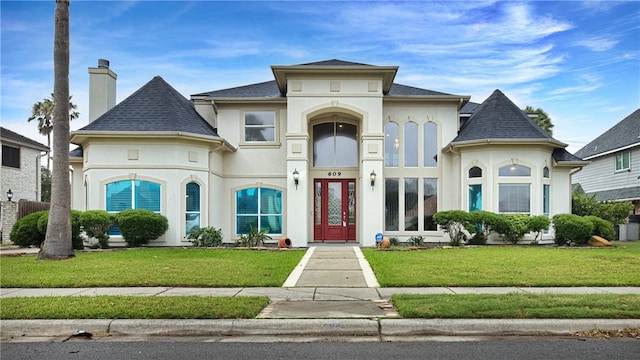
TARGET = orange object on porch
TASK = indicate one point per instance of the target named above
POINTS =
(284, 242)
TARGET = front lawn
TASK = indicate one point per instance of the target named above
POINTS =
(153, 267)
(523, 266)
(132, 307)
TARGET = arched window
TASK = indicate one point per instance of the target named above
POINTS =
(545, 172)
(335, 144)
(411, 144)
(430, 145)
(514, 170)
(260, 209)
(192, 207)
(475, 172)
(131, 194)
(391, 144)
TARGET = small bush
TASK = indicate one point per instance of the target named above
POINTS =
(571, 228)
(538, 224)
(393, 241)
(513, 228)
(139, 226)
(456, 223)
(76, 241)
(602, 228)
(205, 237)
(484, 222)
(96, 224)
(416, 240)
(25, 231)
(253, 238)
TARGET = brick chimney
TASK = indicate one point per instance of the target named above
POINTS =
(102, 89)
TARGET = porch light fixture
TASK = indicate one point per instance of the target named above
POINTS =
(9, 195)
(372, 176)
(296, 177)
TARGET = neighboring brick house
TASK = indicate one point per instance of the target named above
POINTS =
(20, 166)
(330, 151)
(614, 169)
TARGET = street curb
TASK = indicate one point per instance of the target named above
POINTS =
(310, 327)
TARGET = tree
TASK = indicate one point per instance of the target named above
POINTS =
(45, 184)
(542, 119)
(57, 243)
(43, 112)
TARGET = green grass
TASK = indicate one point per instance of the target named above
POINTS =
(153, 267)
(518, 306)
(132, 307)
(523, 266)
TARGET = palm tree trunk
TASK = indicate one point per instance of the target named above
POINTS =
(57, 244)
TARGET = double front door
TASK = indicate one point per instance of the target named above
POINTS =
(334, 210)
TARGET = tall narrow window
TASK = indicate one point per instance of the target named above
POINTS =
(192, 208)
(260, 209)
(475, 197)
(391, 204)
(430, 146)
(391, 145)
(430, 203)
(411, 208)
(546, 190)
(410, 144)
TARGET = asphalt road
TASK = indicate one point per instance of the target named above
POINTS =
(521, 348)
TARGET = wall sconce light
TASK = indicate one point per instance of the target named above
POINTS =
(372, 176)
(9, 195)
(296, 177)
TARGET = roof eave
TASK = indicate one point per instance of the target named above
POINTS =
(81, 136)
(479, 142)
(609, 152)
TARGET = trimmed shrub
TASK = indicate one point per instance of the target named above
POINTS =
(538, 224)
(456, 223)
(76, 241)
(25, 231)
(572, 228)
(96, 224)
(205, 237)
(602, 228)
(484, 222)
(139, 226)
(615, 212)
(513, 228)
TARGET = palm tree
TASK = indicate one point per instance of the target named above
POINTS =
(57, 242)
(43, 111)
(542, 119)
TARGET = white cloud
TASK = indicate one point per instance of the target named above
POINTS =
(597, 44)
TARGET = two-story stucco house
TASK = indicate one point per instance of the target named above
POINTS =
(21, 158)
(614, 169)
(331, 151)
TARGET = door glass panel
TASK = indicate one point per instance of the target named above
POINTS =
(335, 203)
(352, 203)
(318, 203)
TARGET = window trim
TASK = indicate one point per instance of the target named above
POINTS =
(234, 213)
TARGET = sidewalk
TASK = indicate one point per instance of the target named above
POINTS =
(331, 292)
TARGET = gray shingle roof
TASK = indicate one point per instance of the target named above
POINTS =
(630, 193)
(562, 155)
(154, 107)
(622, 134)
(404, 90)
(14, 137)
(499, 118)
(333, 62)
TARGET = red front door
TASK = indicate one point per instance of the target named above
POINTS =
(334, 210)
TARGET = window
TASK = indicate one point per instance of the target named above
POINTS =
(514, 198)
(545, 172)
(546, 191)
(411, 204)
(411, 144)
(623, 160)
(335, 144)
(475, 197)
(430, 203)
(259, 208)
(475, 172)
(391, 145)
(260, 126)
(514, 170)
(132, 194)
(11, 156)
(430, 144)
(391, 205)
(192, 208)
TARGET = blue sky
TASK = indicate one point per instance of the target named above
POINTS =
(579, 61)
